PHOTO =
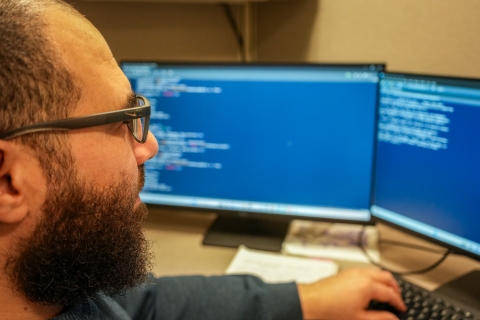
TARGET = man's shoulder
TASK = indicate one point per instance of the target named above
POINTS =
(98, 308)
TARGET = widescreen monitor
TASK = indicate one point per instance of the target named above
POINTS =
(427, 177)
(292, 141)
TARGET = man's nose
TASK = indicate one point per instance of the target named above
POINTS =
(147, 150)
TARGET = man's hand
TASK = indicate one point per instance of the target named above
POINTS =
(348, 294)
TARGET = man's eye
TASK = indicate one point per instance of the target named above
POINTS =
(128, 123)
(118, 126)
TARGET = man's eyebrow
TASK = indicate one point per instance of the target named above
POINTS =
(131, 102)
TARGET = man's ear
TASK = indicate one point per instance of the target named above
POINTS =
(13, 204)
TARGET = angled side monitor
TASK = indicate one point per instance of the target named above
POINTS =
(263, 141)
(427, 178)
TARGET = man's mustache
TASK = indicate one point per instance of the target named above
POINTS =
(141, 177)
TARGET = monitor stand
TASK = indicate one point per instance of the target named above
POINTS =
(464, 290)
(253, 233)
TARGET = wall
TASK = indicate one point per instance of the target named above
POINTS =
(430, 36)
(161, 31)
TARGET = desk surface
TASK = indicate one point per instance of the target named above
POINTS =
(177, 247)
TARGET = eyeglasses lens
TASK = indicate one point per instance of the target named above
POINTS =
(137, 126)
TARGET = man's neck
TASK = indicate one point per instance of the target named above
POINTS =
(13, 305)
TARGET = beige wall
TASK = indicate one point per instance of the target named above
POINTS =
(430, 36)
(162, 31)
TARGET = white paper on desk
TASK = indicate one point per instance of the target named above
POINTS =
(331, 240)
(276, 268)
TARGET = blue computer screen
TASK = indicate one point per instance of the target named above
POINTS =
(292, 140)
(428, 160)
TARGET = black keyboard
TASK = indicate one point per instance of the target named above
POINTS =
(423, 304)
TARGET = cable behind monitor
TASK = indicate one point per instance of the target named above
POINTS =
(424, 270)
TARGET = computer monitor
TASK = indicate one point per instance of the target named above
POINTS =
(261, 141)
(427, 177)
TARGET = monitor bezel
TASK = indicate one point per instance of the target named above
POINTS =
(375, 219)
(380, 67)
(452, 248)
(260, 216)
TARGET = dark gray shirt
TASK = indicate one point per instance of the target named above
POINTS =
(195, 297)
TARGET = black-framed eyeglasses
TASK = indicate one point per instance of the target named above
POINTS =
(137, 120)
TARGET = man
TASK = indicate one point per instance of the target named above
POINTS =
(71, 243)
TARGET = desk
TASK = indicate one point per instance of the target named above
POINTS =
(177, 246)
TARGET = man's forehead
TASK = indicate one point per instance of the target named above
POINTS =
(65, 28)
(88, 58)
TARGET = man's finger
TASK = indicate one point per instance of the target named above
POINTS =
(383, 293)
(387, 278)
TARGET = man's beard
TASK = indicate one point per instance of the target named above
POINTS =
(89, 241)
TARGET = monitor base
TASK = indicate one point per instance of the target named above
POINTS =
(253, 233)
(464, 290)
